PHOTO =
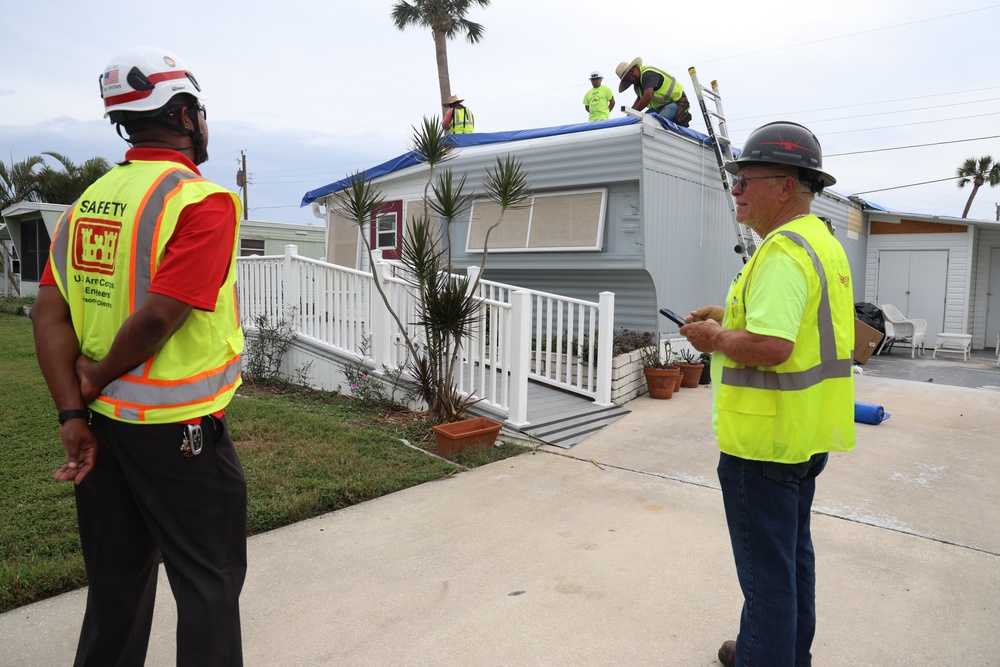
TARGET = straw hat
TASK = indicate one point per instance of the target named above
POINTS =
(454, 100)
(622, 69)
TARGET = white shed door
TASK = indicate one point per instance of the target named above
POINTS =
(993, 300)
(915, 281)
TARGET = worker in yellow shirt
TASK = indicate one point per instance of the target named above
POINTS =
(599, 100)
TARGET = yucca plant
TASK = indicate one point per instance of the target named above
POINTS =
(448, 308)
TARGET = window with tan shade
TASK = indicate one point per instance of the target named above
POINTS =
(551, 222)
(342, 241)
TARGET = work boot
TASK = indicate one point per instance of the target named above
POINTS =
(727, 654)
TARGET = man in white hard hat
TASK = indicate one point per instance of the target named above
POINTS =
(599, 100)
(138, 338)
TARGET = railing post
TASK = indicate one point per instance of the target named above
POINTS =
(290, 294)
(605, 338)
(520, 358)
(382, 323)
(473, 273)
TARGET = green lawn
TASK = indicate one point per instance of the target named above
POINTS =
(304, 453)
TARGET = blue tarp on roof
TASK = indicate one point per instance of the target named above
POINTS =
(481, 139)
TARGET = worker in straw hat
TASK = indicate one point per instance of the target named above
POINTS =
(655, 90)
(598, 100)
(458, 119)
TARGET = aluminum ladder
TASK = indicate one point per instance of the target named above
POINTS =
(746, 239)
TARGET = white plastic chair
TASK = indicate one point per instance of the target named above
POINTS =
(899, 329)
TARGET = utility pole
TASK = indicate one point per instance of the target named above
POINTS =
(241, 181)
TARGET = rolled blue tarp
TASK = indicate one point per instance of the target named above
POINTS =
(869, 413)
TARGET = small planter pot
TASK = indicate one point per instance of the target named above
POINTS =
(692, 374)
(706, 375)
(469, 434)
(680, 382)
(661, 382)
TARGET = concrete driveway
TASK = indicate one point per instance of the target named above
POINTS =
(616, 553)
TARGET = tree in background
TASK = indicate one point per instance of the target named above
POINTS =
(66, 186)
(978, 172)
(446, 19)
(17, 181)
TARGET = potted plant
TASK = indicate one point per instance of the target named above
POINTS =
(447, 304)
(691, 367)
(661, 374)
(706, 372)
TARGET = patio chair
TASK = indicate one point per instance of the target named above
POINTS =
(899, 329)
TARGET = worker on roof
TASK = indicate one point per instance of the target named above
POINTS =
(656, 91)
(457, 119)
(599, 100)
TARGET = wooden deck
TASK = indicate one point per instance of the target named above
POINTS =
(563, 419)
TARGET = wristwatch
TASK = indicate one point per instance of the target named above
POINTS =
(66, 415)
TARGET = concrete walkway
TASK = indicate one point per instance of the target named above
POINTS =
(616, 553)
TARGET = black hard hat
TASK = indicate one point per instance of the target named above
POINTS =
(783, 142)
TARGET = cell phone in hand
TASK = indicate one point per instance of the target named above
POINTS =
(674, 317)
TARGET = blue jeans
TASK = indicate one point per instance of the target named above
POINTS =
(767, 509)
(667, 111)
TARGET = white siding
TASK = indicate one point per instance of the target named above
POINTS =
(987, 241)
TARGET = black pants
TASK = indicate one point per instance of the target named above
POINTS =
(145, 498)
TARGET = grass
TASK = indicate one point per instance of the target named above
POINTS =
(304, 453)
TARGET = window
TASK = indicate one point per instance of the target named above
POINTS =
(34, 249)
(553, 222)
(251, 247)
(385, 235)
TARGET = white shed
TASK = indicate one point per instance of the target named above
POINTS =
(941, 269)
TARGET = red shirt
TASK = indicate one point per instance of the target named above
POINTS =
(197, 255)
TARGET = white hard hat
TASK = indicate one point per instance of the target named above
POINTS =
(144, 79)
(596, 75)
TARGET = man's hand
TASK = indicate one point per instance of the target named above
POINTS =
(707, 313)
(702, 334)
(89, 388)
(81, 451)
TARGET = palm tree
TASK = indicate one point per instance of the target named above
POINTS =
(446, 19)
(978, 172)
(17, 182)
(66, 186)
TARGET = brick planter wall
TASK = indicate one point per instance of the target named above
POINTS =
(627, 380)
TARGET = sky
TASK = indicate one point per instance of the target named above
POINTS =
(313, 91)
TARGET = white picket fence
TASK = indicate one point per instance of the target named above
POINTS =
(336, 308)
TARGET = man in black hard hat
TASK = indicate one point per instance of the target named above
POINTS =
(783, 388)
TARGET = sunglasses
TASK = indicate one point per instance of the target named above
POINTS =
(742, 181)
(173, 111)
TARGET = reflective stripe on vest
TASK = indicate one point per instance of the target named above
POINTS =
(181, 388)
(828, 367)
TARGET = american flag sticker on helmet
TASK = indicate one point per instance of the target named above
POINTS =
(111, 76)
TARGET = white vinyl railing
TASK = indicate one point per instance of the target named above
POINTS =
(337, 308)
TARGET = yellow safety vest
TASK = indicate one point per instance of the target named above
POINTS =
(462, 121)
(106, 250)
(670, 91)
(805, 405)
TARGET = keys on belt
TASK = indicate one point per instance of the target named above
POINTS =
(193, 440)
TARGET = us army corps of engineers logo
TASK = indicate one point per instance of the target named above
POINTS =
(95, 246)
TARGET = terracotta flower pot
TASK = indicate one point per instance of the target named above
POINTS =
(469, 434)
(661, 381)
(680, 382)
(692, 373)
